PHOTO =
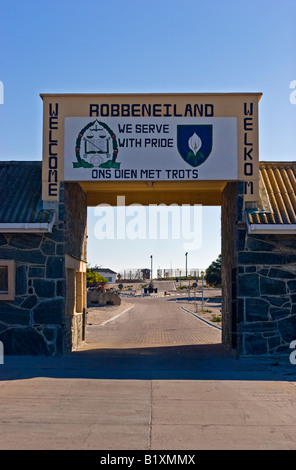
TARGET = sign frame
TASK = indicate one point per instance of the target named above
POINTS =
(242, 106)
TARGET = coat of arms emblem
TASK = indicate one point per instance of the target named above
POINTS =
(96, 147)
(195, 143)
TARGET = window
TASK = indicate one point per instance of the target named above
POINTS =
(7, 280)
(3, 279)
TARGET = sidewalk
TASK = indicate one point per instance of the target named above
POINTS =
(146, 399)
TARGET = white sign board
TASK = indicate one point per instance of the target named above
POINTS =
(110, 149)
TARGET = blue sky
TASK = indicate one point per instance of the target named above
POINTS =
(157, 46)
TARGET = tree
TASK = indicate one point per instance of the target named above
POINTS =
(94, 279)
(213, 273)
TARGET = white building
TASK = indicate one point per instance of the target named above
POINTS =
(108, 274)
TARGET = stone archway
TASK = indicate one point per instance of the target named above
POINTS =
(75, 202)
(149, 148)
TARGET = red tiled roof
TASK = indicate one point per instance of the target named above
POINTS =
(277, 194)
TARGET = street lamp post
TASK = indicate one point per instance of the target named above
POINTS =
(151, 257)
(186, 254)
(194, 285)
(202, 296)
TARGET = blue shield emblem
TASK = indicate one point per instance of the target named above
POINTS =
(195, 143)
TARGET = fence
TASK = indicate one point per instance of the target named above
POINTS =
(143, 274)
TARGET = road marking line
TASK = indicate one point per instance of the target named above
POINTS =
(116, 316)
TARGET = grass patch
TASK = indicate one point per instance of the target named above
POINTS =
(216, 318)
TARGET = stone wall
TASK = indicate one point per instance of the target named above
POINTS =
(77, 330)
(259, 285)
(34, 323)
(100, 298)
(266, 293)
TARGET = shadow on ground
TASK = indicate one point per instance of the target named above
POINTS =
(188, 362)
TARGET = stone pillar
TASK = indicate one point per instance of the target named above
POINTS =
(267, 293)
(74, 212)
(232, 216)
(259, 285)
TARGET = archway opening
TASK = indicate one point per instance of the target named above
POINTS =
(104, 247)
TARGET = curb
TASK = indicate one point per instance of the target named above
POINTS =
(202, 319)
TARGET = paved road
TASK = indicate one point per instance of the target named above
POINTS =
(155, 378)
(154, 321)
